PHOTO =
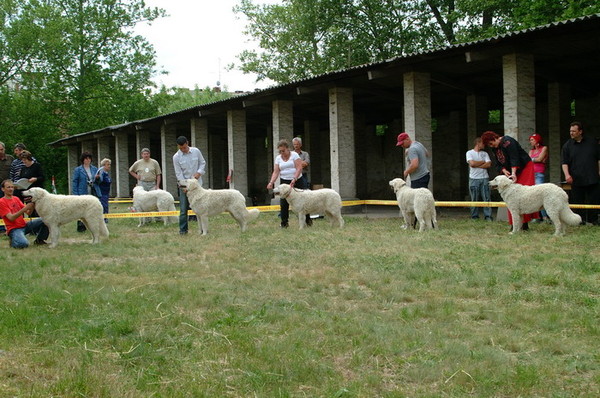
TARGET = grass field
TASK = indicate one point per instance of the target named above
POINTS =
(367, 311)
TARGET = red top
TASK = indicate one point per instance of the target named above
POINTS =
(11, 206)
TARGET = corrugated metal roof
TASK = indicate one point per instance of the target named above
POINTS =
(432, 52)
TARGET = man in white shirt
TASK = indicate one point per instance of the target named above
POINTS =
(479, 161)
(188, 163)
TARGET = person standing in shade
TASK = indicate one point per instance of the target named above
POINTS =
(416, 156)
(146, 171)
(539, 156)
(103, 182)
(5, 162)
(581, 166)
(83, 181)
(479, 180)
(302, 182)
(188, 163)
(513, 162)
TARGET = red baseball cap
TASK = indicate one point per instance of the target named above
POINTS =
(401, 138)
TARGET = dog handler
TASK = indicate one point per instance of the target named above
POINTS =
(11, 211)
(513, 162)
(188, 163)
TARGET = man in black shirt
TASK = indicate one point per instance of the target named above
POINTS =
(581, 166)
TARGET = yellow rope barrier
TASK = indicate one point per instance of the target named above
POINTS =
(345, 204)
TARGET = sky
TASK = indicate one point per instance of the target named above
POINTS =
(197, 41)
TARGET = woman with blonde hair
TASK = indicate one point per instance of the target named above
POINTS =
(103, 181)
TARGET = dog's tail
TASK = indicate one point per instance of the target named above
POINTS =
(252, 215)
(568, 217)
(103, 229)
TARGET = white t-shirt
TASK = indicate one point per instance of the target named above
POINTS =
(287, 170)
(478, 172)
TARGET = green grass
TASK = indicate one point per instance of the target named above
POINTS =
(367, 311)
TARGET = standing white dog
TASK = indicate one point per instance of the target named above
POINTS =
(413, 203)
(303, 202)
(209, 202)
(524, 199)
(156, 200)
(57, 210)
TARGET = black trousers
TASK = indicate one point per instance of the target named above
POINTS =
(589, 195)
(285, 206)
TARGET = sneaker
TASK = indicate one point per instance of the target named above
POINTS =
(183, 232)
(39, 242)
(284, 225)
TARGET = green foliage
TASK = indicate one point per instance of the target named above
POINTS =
(70, 66)
(301, 38)
(173, 99)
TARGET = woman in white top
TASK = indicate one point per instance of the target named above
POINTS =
(288, 167)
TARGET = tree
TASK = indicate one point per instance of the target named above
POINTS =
(173, 99)
(70, 66)
(303, 38)
(300, 38)
(91, 63)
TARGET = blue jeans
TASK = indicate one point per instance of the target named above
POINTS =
(540, 178)
(479, 188)
(35, 227)
(184, 206)
(422, 182)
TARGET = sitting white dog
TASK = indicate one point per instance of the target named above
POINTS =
(413, 203)
(304, 201)
(57, 210)
(156, 200)
(209, 202)
(524, 199)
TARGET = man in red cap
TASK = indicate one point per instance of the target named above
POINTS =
(416, 156)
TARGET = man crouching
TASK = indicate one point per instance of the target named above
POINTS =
(11, 211)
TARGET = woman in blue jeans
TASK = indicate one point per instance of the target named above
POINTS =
(539, 157)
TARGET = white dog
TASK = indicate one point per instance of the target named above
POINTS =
(57, 210)
(156, 200)
(304, 201)
(209, 202)
(413, 203)
(524, 199)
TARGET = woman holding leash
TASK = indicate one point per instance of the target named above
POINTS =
(288, 166)
(513, 162)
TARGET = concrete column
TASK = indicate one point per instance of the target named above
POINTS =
(236, 149)
(559, 115)
(311, 131)
(519, 96)
(103, 146)
(168, 147)
(199, 139)
(477, 116)
(72, 162)
(283, 122)
(341, 142)
(417, 112)
(121, 165)
(142, 140)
